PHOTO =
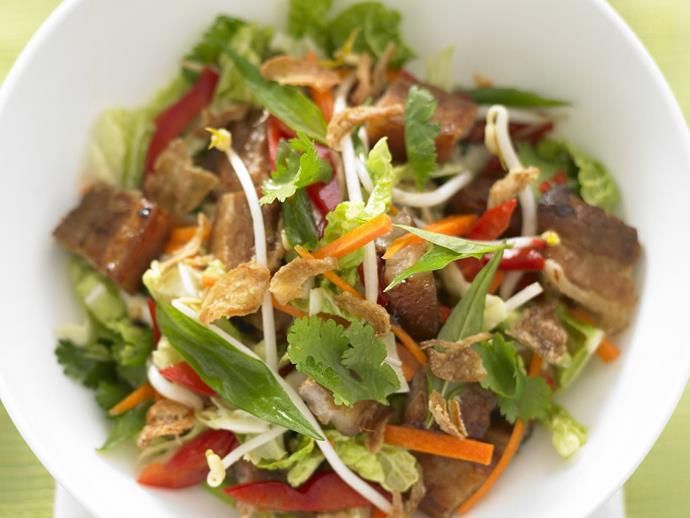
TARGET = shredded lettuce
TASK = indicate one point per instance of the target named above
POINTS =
(309, 18)
(420, 134)
(298, 165)
(221, 417)
(597, 187)
(165, 354)
(567, 435)
(349, 362)
(583, 340)
(439, 71)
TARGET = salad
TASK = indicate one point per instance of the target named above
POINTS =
(317, 282)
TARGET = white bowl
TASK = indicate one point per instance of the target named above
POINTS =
(95, 54)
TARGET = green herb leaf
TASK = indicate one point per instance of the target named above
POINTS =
(298, 165)
(349, 362)
(309, 18)
(126, 426)
(245, 382)
(467, 316)
(519, 396)
(597, 186)
(420, 134)
(298, 221)
(108, 393)
(583, 340)
(285, 102)
(89, 365)
(512, 97)
(567, 435)
(377, 26)
(444, 251)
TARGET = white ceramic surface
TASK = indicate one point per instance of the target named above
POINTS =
(98, 53)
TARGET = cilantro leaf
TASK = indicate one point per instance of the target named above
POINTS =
(108, 393)
(126, 427)
(349, 362)
(377, 26)
(420, 133)
(519, 396)
(298, 165)
(88, 365)
(309, 18)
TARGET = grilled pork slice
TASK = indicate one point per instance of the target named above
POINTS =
(450, 482)
(593, 264)
(455, 114)
(347, 420)
(414, 302)
(118, 232)
(232, 237)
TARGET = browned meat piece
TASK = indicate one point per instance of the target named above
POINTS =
(249, 141)
(232, 237)
(414, 302)
(176, 184)
(540, 329)
(118, 232)
(476, 406)
(347, 420)
(593, 264)
(244, 472)
(450, 482)
(417, 401)
(455, 114)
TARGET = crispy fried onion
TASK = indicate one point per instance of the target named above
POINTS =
(373, 313)
(380, 77)
(165, 418)
(290, 282)
(363, 75)
(447, 415)
(345, 121)
(404, 508)
(236, 293)
(290, 70)
(457, 361)
(191, 247)
(540, 329)
(177, 184)
(511, 185)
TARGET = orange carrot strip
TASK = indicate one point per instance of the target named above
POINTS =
(208, 281)
(409, 344)
(409, 363)
(356, 238)
(290, 310)
(607, 350)
(138, 395)
(324, 100)
(377, 513)
(341, 283)
(180, 235)
(511, 449)
(450, 226)
(496, 281)
(439, 444)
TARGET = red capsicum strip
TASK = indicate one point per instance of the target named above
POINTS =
(156, 330)
(173, 121)
(324, 492)
(557, 179)
(521, 259)
(182, 374)
(188, 466)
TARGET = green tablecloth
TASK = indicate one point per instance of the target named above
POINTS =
(659, 488)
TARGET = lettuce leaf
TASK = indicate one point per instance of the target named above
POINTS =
(420, 134)
(298, 165)
(583, 340)
(439, 71)
(567, 435)
(519, 396)
(376, 27)
(349, 362)
(597, 186)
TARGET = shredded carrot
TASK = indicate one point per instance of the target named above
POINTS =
(324, 100)
(180, 235)
(290, 310)
(607, 350)
(341, 283)
(356, 238)
(207, 281)
(439, 444)
(409, 363)
(450, 226)
(377, 513)
(138, 395)
(511, 449)
(497, 281)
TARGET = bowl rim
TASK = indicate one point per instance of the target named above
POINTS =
(65, 9)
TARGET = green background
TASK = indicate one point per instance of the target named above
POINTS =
(660, 487)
